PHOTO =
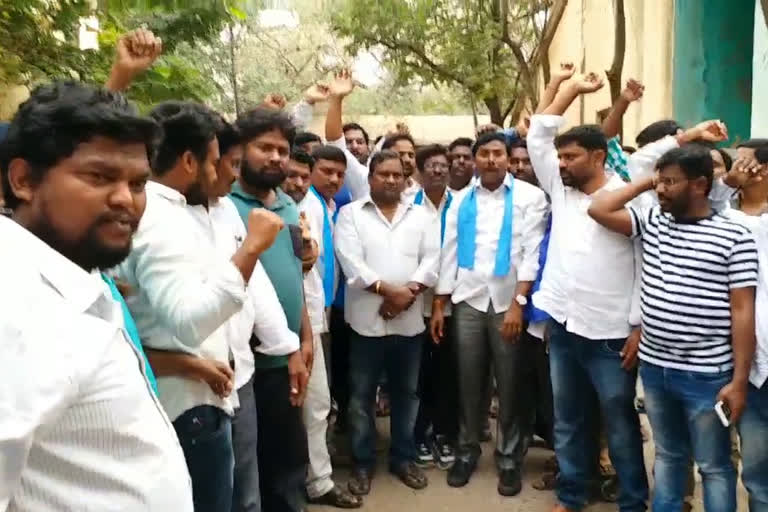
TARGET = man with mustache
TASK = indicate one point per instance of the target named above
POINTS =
(489, 261)
(81, 427)
(280, 381)
(174, 259)
(462, 163)
(389, 251)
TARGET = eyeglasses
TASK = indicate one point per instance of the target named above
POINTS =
(437, 166)
(669, 182)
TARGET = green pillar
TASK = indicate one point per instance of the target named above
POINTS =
(713, 63)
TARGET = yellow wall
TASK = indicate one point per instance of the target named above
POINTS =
(586, 35)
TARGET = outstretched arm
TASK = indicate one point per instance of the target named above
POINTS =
(135, 53)
(582, 85)
(632, 92)
(608, 208)
(558, 77)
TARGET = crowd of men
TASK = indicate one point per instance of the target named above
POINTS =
(186, 297)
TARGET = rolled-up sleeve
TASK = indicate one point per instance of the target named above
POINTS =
(534, 224)
(349, 250)
(541, 149)
(429, 254)
(191, 301)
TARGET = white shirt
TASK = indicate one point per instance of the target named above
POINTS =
(436, 213)
(759, 227)
(370, 248)
(410, 191)
(590, 271)
(478, 287)
(314, 292)
(80, 427)
(186, 291)
(356, 177)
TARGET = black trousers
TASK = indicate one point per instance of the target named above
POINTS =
(340, 336)
(537, 400)
(282, 443)
(438, 388)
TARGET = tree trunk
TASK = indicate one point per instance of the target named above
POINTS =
(494, 109)
(619, 49)
(474, 109)
(764, 3)
(233, 68)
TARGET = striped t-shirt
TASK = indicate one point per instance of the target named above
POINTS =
(689, 269)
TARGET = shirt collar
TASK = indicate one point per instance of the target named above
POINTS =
(477, 184)
(282, 199)
(80, 288)
(166, 192)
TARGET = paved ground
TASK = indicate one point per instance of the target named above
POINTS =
(389, 495)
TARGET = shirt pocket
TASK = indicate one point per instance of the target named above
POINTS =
(407, 241)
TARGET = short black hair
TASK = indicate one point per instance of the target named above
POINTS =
(485, 138)
(301, 156)
(187, 126)
(753, 143)
(761, 154)
(694, 160)
(61, 115)
(227, 133)
(630, 150)
(389, 142)
(355, 126)
(518, 143)
(305, 138)
(379, 157)
(727, 159)
(261, 120)
(588, 136)
(427, 152)
(331, 153)
(461, 141)
(657, 131)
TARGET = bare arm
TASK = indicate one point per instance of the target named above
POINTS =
(565, 72)
(608, 208)
(338, 89)
(632, 92)
(742, 332)
(135, 52)
(581, 85)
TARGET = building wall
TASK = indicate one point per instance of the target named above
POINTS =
(586, 37)
(760, 76)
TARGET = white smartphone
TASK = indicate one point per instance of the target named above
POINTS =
(724, 413)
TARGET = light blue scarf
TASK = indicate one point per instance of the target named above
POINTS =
(328, 261)
(467, 232)
(130, 327)
(419, 199)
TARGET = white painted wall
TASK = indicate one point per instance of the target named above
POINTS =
(760, 76)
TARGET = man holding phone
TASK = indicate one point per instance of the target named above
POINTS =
(698, 316)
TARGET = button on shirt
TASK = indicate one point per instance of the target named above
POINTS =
(80, 427)
(478, 287)
(370, 248)
(436, 215)
(185, 292)
(590, 271)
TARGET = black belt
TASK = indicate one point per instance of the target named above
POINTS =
(254, 342)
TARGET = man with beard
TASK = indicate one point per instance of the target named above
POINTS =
(462, 163)
(185, 290)
(280, 382)
(389, 251)
(698, 336)
(489, 262)
(74, 167)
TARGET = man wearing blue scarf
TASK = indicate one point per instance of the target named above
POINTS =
(489, 261)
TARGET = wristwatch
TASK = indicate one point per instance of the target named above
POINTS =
(522, 300)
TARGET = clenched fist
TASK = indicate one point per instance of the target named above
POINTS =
(263, 227)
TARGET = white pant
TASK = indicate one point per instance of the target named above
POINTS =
(317, 407)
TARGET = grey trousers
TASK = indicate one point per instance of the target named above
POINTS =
(244, 444)
(479, 345)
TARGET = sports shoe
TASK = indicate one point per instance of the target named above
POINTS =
(443, 452)
(424, 457)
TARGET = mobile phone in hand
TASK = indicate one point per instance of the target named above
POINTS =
(724, 413)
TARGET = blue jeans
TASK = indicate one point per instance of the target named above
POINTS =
(753, 430)
(205, 435)
(246, 496)
(580, 369)
(681, 408)
(399, 357)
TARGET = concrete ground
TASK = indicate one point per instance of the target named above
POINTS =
(389, 495)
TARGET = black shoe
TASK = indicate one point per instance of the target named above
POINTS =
(360, 483)
(424, 457)
(460, 473)
(509, 483)
(410, 474)
(443, 452)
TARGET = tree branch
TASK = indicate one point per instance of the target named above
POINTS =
(619, 48)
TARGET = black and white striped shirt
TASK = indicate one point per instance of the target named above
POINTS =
(689, 269)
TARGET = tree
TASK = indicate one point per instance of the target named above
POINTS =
(619, 49)
(492, 49)
(39, 40)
